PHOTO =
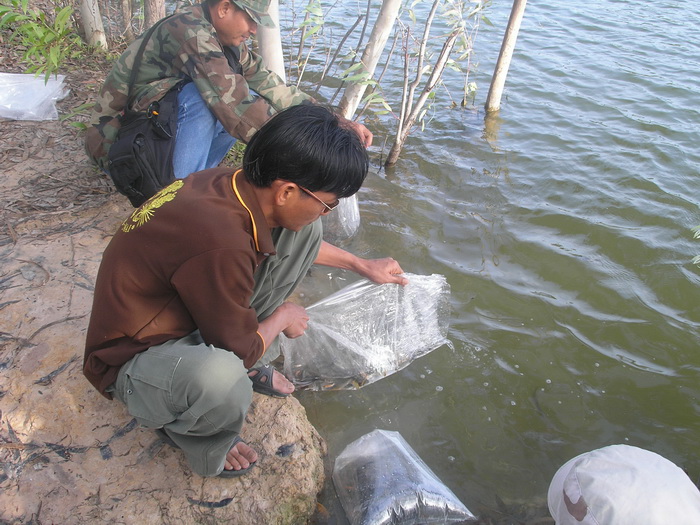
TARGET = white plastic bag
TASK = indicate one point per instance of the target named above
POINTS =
(343, 222)
(366, 331)
(28, 97)
(380, 480)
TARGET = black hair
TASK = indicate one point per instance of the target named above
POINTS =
(307, 145)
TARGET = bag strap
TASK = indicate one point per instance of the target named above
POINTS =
(139, 56)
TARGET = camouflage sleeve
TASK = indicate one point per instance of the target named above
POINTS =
(227, 94)
(268, 84)
(110, 103)
(186, 47)
(104, 126)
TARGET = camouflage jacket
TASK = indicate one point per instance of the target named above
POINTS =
(185, 47)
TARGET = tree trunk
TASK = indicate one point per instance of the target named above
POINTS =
(270, 43)
(373, 51)
(153, 10)
(92, 24)
(493, 100)
(126, 9)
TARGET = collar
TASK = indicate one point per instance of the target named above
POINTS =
(205, 11)
(246, 196)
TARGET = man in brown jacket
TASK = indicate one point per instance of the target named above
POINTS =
(191, 293)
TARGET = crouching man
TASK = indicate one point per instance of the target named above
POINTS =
(192, 291)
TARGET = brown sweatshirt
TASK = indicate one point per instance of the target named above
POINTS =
(183, 261)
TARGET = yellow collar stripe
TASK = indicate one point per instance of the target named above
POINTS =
(252, 219)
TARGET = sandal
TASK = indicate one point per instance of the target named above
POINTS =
(165, 438)
(262, 381)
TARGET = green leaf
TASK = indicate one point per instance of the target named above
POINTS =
(311, 32)
(354, 67)
(62, 17)
(356, 78)
(53, 56)
(12, 18)
(314, 8)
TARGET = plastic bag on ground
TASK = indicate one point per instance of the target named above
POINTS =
(366, 331)
(380, 480)
(343, 222)
(28, 97)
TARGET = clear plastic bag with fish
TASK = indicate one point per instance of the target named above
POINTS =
(380, 480)
(344, 222)
(366, 331)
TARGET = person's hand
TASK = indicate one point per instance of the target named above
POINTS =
(382, 271)
(296, 319)
(361, 130)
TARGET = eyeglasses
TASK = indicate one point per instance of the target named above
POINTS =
(329, 207)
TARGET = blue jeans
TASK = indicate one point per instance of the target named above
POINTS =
(201, 141)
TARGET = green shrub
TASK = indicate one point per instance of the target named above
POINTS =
(48, 41)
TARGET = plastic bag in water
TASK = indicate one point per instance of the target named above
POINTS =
(366, 331)
(343, 222)
(380, 480)
(28, 97)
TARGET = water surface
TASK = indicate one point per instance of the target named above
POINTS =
(563, 227)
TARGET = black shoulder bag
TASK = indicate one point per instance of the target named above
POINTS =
(141, 159)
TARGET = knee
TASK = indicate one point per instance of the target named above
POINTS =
(221, 377)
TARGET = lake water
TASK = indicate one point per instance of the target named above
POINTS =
(563, 227)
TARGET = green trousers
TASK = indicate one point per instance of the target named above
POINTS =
(199, 394)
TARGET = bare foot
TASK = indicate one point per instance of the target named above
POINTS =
(240, 456)
(279, 382)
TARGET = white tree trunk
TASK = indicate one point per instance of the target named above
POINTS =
(373, 51)
(92, 24)
(493, 100)
(270, 43)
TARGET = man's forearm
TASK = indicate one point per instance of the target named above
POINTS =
(329, 255)
(380, 271)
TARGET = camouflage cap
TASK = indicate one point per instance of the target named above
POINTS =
(258, 11)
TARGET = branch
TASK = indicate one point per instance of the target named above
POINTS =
(337, 51)
(421, 54)
(432, 80)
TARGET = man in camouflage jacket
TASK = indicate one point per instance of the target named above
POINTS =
(204, 46)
